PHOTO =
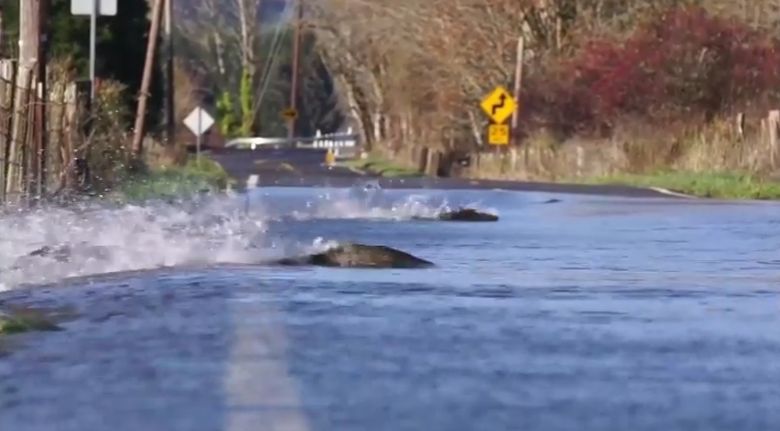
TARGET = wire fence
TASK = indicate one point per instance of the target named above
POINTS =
(38, 134)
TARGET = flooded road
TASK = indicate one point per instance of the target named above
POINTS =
(591, 313)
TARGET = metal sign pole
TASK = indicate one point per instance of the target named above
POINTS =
(92, 37)
(199, 121)
(199, 133)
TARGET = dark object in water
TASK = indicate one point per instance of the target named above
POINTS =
(359, 256)
(60, 254)
(65, 252)
(467, 214)
(551, 201)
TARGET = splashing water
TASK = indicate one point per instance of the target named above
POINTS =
(53, 243)
(370, 201)
(50, 244)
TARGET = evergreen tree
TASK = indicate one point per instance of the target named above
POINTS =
(120, 45)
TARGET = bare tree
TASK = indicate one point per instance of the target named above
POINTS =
(228, 32)
(249, 25)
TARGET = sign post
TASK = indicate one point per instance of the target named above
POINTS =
(199, 121)
(93, 8)
(499, 105)
(290, 114)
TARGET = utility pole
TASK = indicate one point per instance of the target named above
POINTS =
(33, 16)
(169, 103)
(295, 66)
(2, 31)
(29, 33)
(518, 89)
(146, 80)
(92, 50)
(43, 93)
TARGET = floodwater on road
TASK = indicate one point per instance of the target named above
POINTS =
(591, 313)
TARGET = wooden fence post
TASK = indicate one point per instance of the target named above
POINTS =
(28, 143)
(764, 132)
(55, 137)
(7, 95)
(422, 161)
(773, 121)
(432, 167)
(16, 154)
(75, 93)
(740, 126)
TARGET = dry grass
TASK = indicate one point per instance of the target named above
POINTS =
(381, 166)
(710, 160)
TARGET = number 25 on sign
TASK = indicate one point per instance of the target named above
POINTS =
(498, 134)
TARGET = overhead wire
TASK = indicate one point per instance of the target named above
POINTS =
(276, 46)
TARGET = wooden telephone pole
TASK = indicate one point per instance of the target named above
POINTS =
(42, 138)
(140, 115)
(33, 34)
(169, 107)
(2, 31)
(518, 89)
(295, 65)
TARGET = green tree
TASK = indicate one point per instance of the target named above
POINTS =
(256, 107)
(226, 115)
(120, 45)
(245, 97)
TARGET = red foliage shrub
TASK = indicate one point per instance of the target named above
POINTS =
(682, 63)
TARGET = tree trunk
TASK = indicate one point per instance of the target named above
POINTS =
(146, 81)
(250, 27)
(220, 53)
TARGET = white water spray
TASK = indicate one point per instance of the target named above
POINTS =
(53, 243)
(50, 244)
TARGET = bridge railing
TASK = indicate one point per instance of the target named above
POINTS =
(339, 142)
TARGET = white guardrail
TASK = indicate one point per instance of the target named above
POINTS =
(335, 141)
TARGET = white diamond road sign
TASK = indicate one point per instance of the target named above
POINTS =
(199, 121)
(84, 7)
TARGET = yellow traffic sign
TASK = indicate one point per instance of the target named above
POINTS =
(499, 105)
(290, 113)
(330, 157)
(498, 134)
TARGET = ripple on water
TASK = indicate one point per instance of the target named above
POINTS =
(549, 319)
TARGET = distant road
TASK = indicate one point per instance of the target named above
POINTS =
(306, 168)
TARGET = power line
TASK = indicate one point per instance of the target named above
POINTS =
(267, 82)
(276, 47)
(295, 65)
(169, 107)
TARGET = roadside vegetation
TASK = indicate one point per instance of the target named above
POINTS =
(614, 88)
(26, 321)
(166, 171)
(718, 185)
(89, 147)
(377, 165)
(610, 88)
(194, 177)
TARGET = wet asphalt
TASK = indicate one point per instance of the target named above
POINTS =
(590, 314)
(285, 167)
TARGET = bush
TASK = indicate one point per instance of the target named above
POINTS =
(185, 181)
(108, 148)
(682, 63)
